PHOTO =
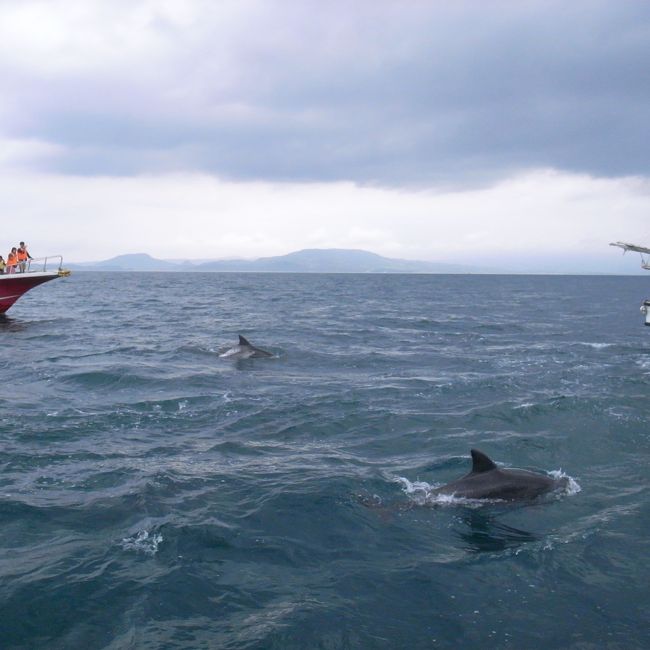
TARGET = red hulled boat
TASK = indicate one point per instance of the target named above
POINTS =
(14, 285)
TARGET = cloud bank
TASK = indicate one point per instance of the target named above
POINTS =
(372, 92)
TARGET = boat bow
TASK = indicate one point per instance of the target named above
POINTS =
(38, 271)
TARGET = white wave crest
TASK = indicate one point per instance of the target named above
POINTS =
(596, 346)
(229, 352)
(418, 491)
(142, 542)
(422, 493)
(572, 486)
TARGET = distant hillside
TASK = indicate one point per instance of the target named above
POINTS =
(129, 262)
(331, 260)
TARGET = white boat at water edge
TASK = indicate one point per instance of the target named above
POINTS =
(645, 264)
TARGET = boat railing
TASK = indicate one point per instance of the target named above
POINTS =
(43, 264)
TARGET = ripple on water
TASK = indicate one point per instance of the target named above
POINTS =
(155, 495)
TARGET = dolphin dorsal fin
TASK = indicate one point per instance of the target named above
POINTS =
(243, 341)
(480, 462)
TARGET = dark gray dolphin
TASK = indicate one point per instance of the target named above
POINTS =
(487, 481)
(244, 350)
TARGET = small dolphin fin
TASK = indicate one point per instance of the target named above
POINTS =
(480, 462)
(243, 341)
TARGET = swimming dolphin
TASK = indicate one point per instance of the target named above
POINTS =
(245, 350)
(487, 481)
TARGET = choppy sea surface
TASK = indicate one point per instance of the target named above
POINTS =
(155, 495)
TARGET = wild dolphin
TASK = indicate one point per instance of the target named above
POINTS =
(487, 481)
(244, 350)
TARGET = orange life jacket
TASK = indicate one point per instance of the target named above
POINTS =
(22, 255)
(11, 260)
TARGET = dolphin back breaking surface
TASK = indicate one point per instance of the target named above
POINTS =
(488, 481)
(244, 350)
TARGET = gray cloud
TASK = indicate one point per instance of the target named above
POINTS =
(388, 93)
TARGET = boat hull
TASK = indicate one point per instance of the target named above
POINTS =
(14, 285)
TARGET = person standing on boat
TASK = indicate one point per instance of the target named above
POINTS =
(12, 260)
(22, 256)
(2, 265)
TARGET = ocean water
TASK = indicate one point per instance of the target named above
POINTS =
(155, 495)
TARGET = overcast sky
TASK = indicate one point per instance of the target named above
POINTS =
(513, 132)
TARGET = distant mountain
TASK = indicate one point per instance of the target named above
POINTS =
(330, 260)
(129, 262)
